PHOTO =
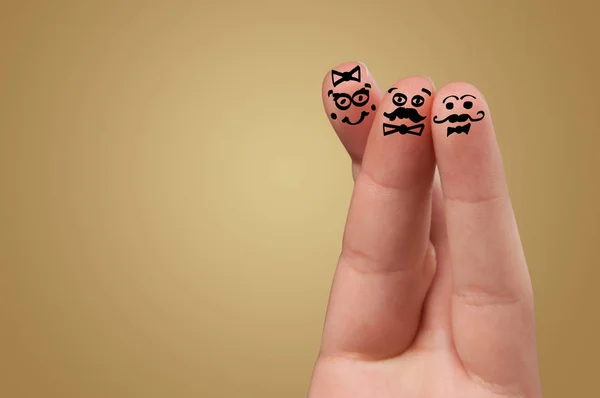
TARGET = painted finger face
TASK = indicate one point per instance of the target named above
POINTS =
(406, 110)
(348, 95)
(460, 112)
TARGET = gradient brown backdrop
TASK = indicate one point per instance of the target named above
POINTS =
(172, 197)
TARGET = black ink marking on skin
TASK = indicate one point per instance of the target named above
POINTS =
(459, 118)
(363, 115)
(338, 77)
(417, 101)
(423, 90)
(360, 97)
(458, 99)
(403, 129)
(399, 99)
(459, 129)
(343, 101)
(450, 96)
(403, 112)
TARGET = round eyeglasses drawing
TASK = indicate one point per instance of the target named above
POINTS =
(344, 101)
(457, 115)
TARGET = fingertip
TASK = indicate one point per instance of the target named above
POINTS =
(460, 111)
(465, 144)
(351, 98)
(346, 67)
(400, 150)
(404, 117)
(458, 98)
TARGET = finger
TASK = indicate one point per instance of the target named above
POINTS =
(436, 324)
(350, 98)
(493, 320)
(387, 261)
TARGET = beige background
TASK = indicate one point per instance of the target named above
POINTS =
(172, 197)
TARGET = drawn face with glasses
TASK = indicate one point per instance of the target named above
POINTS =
(344, 101)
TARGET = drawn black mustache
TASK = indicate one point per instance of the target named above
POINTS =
(404, 113)
(459, 118)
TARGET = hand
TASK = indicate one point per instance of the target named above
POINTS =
(431, 296)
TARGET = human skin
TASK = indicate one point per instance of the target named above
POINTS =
(431, 296)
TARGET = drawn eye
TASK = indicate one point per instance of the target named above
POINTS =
(468, 105)
(342, 102)
(449, 105)
(399, 99)
(417, 101)
(361, 97)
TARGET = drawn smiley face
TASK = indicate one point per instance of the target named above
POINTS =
(346, 101)
(460, 111)
(404, 117)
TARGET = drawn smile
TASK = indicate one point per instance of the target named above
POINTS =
(363, 115)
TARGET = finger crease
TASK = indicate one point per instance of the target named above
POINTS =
(475, 200)
(478, 298)
(382, 187)
(371, 265)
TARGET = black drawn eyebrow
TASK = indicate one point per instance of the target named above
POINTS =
(391, 89)
(367, 85)
(450, 96)
(344, 95)
(329, 93)
(361, 91)
(426, 91)
(468, 95)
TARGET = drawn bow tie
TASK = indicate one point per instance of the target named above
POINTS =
(340, 77)
(388, 129)
(459, 129)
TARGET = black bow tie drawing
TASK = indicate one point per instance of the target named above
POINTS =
(417, 129)
(340, 77)
(459, 129)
